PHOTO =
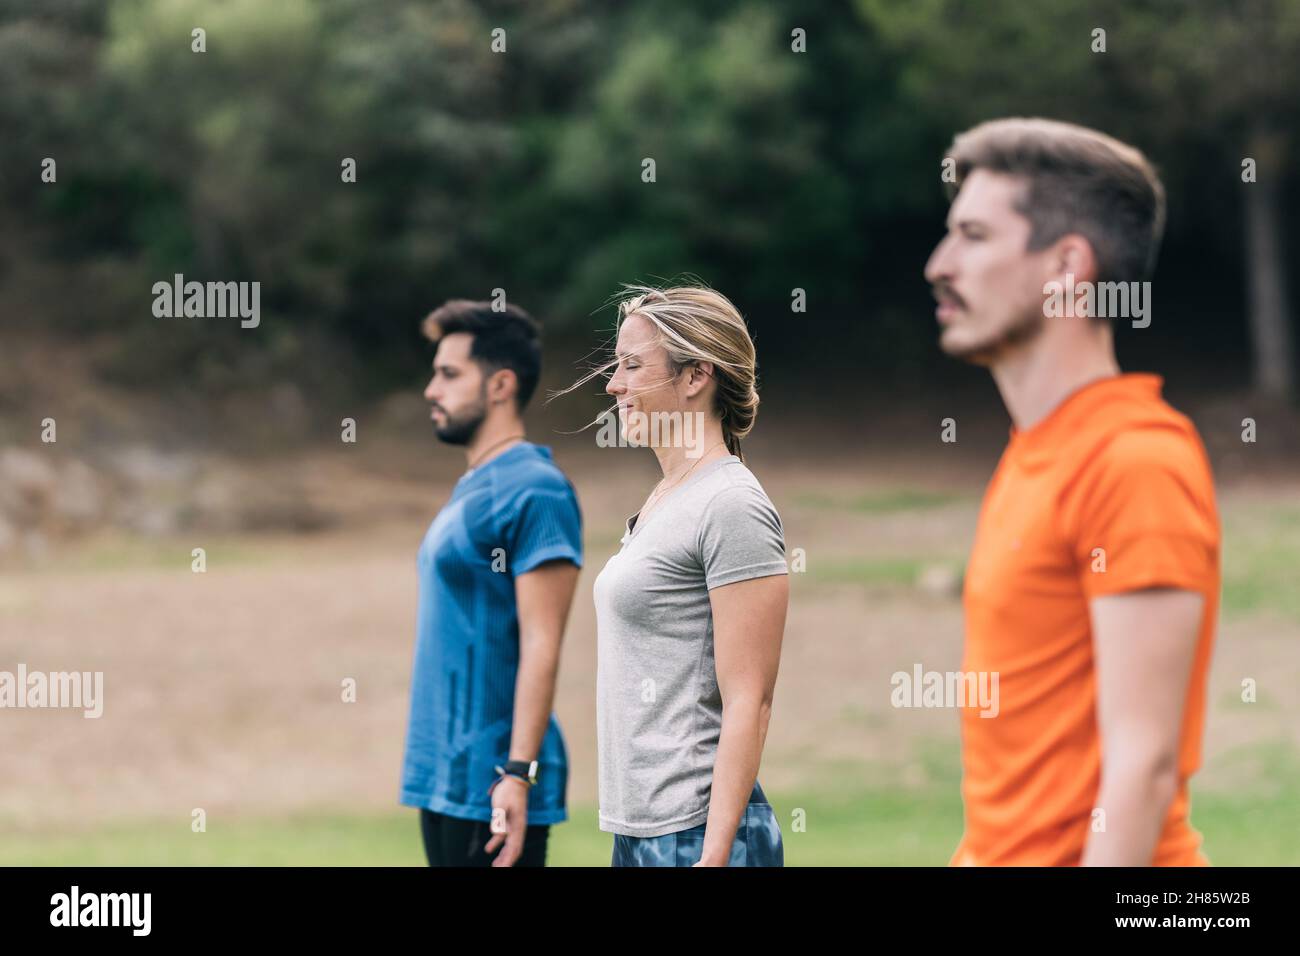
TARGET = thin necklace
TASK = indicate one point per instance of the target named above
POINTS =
(491, 447)
(657, 494)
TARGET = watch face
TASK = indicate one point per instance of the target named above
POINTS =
(524, 768)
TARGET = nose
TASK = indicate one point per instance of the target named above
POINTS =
(939, 265)
(615, 384)
(429, 394)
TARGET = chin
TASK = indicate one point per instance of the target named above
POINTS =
(633, 427)
(454, 433)
(985, 349)
(449, 438)
(979, 353)
(959, 346)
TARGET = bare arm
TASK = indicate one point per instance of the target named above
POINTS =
(543, 597)
(748, 625)
(1144, 643)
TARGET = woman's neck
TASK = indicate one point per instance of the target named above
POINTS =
(676, 458)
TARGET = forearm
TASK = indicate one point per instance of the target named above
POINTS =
(539, 661)
(1136, 799)
(735, 768)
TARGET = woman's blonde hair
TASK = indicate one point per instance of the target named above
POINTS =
(697, 324)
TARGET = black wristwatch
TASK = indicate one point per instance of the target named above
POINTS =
(520, 768)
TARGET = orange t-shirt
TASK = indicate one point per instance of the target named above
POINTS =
(1110, 493)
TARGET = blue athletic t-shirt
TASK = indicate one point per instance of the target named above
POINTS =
(503, 519)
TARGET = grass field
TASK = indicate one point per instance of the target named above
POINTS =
(848, 822)
(222, 689)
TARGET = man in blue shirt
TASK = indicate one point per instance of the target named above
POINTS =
(485, 761)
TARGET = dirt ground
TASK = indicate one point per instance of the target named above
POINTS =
(223, 689)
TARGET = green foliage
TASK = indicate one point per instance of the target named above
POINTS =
(522, 170)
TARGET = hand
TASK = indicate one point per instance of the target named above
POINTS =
(713, 859)
(510, 807)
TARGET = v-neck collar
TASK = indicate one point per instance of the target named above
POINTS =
(630, 531)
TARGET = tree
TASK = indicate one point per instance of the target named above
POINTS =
(1171, 71)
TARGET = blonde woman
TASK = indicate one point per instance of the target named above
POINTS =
(691, 610)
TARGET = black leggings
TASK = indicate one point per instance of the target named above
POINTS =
(451, 841)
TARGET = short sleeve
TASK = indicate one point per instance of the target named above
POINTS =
(1146, 516)
(546, 526)
(740, 537)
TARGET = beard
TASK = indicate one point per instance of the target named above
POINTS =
(987, 350)
(461, 429)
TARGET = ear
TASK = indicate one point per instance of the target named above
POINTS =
(1073, 254)
(698, 376)
(503, 385)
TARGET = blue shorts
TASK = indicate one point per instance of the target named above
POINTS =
(757, 843)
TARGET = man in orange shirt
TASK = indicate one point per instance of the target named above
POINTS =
(1092, 589)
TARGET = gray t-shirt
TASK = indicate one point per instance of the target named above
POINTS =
(658, 709)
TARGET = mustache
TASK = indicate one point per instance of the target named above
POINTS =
(943, 292)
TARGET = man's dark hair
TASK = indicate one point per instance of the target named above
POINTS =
(509, 339)
(1077, 180)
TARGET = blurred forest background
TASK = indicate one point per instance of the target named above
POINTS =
(521, 169)
(797, 146)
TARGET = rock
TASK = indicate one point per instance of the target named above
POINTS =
(27, 483)
(151, 517)
(78, 502)
(280, 507)
(8, 537)
(216, 499)
(144, 466)
(36, 545)
(939, 580)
